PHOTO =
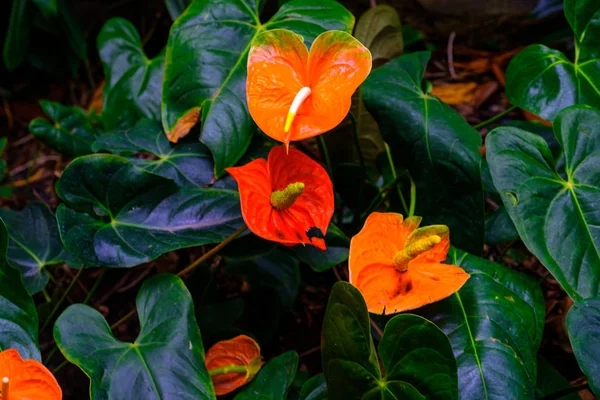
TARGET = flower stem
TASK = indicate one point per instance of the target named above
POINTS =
(413, 196)
(495, 117)
(228, 369)
(64, 295)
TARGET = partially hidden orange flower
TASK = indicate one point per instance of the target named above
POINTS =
(287, 199)
(293, 94)
(397, 266)
(233, 363)
(26, 379)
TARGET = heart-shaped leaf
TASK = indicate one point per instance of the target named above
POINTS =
(495, 323)
(71, 132)
(166, 361)
(201, 77)
(435, 143)
(314, 389)
(189, 164)
(273, 380)
(544, 81)
(119, 215)
(583, 324)
(499, 228)
(380, 30)
(34, 243)
(416, 354)
(338, 246)
(18, 316)
(556, 216)
(133, 81)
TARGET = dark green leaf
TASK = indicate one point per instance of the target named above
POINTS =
(495, 323)
(216, 318)
(583, 324)
(3, 142)
(176, 7)
(166, 361)
(273, 380)
(557, 218)
(34, 243)
(70, 132)
(550, 381)
(133, 81)
(119, 215)
(70, 25)
(18, 317)
(48, 7)
(416, 354)
(202, 77)
(276, 269)
(499, 228)
(337, 251)
(17, 37)
(435, 143)
(544, 81)
(314, 389)
(188, 164)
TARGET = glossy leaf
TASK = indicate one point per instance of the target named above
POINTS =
(201, 78)
(34, 243)
(276, 269)
(48, 7)
(439, 148)
(555, 216)
(544, 81)
(133, 81)
(188, 164)
(176, 7)
(18, 315)
(16, 43)
(165, 361)
(550, 381)
(319, 260)
(314, 389)
(499, 228)
(274, 379)
(416, 355)
(495, 325)
(583, 324)
(119, 215)
(69, 131)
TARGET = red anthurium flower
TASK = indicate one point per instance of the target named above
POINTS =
(233, 363)
(397, 266)
(26, 379)
(293, 94)
(287, 199)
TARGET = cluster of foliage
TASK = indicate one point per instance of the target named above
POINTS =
(141, 185)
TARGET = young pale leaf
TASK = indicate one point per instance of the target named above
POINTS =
(435, 143)
(217, 88)
(495, 323)
(119, 215)
(544, 81)
(133, 81)
(556, 216)
(71, 132)
(166, 361)
(18, 315)
(314, 389)
(189, 164)
(416, 354)
(34, 243)
(274, 379)
(583, 324)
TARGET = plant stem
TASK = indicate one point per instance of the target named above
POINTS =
(413, 196)
(393, 168)
(95, 286)
(186, 271)
(495, 117)
(566, 391)
(64, 295)
(61, 366)
(227, 369)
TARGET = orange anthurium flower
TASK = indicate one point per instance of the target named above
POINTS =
(26, 379)
(293, 94)
(233, 363)
(397, 266)
(288, 199)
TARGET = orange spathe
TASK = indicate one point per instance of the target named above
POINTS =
(397, 266)
(241, 351)
(27, 379)
(287, 199)
(280, 66)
